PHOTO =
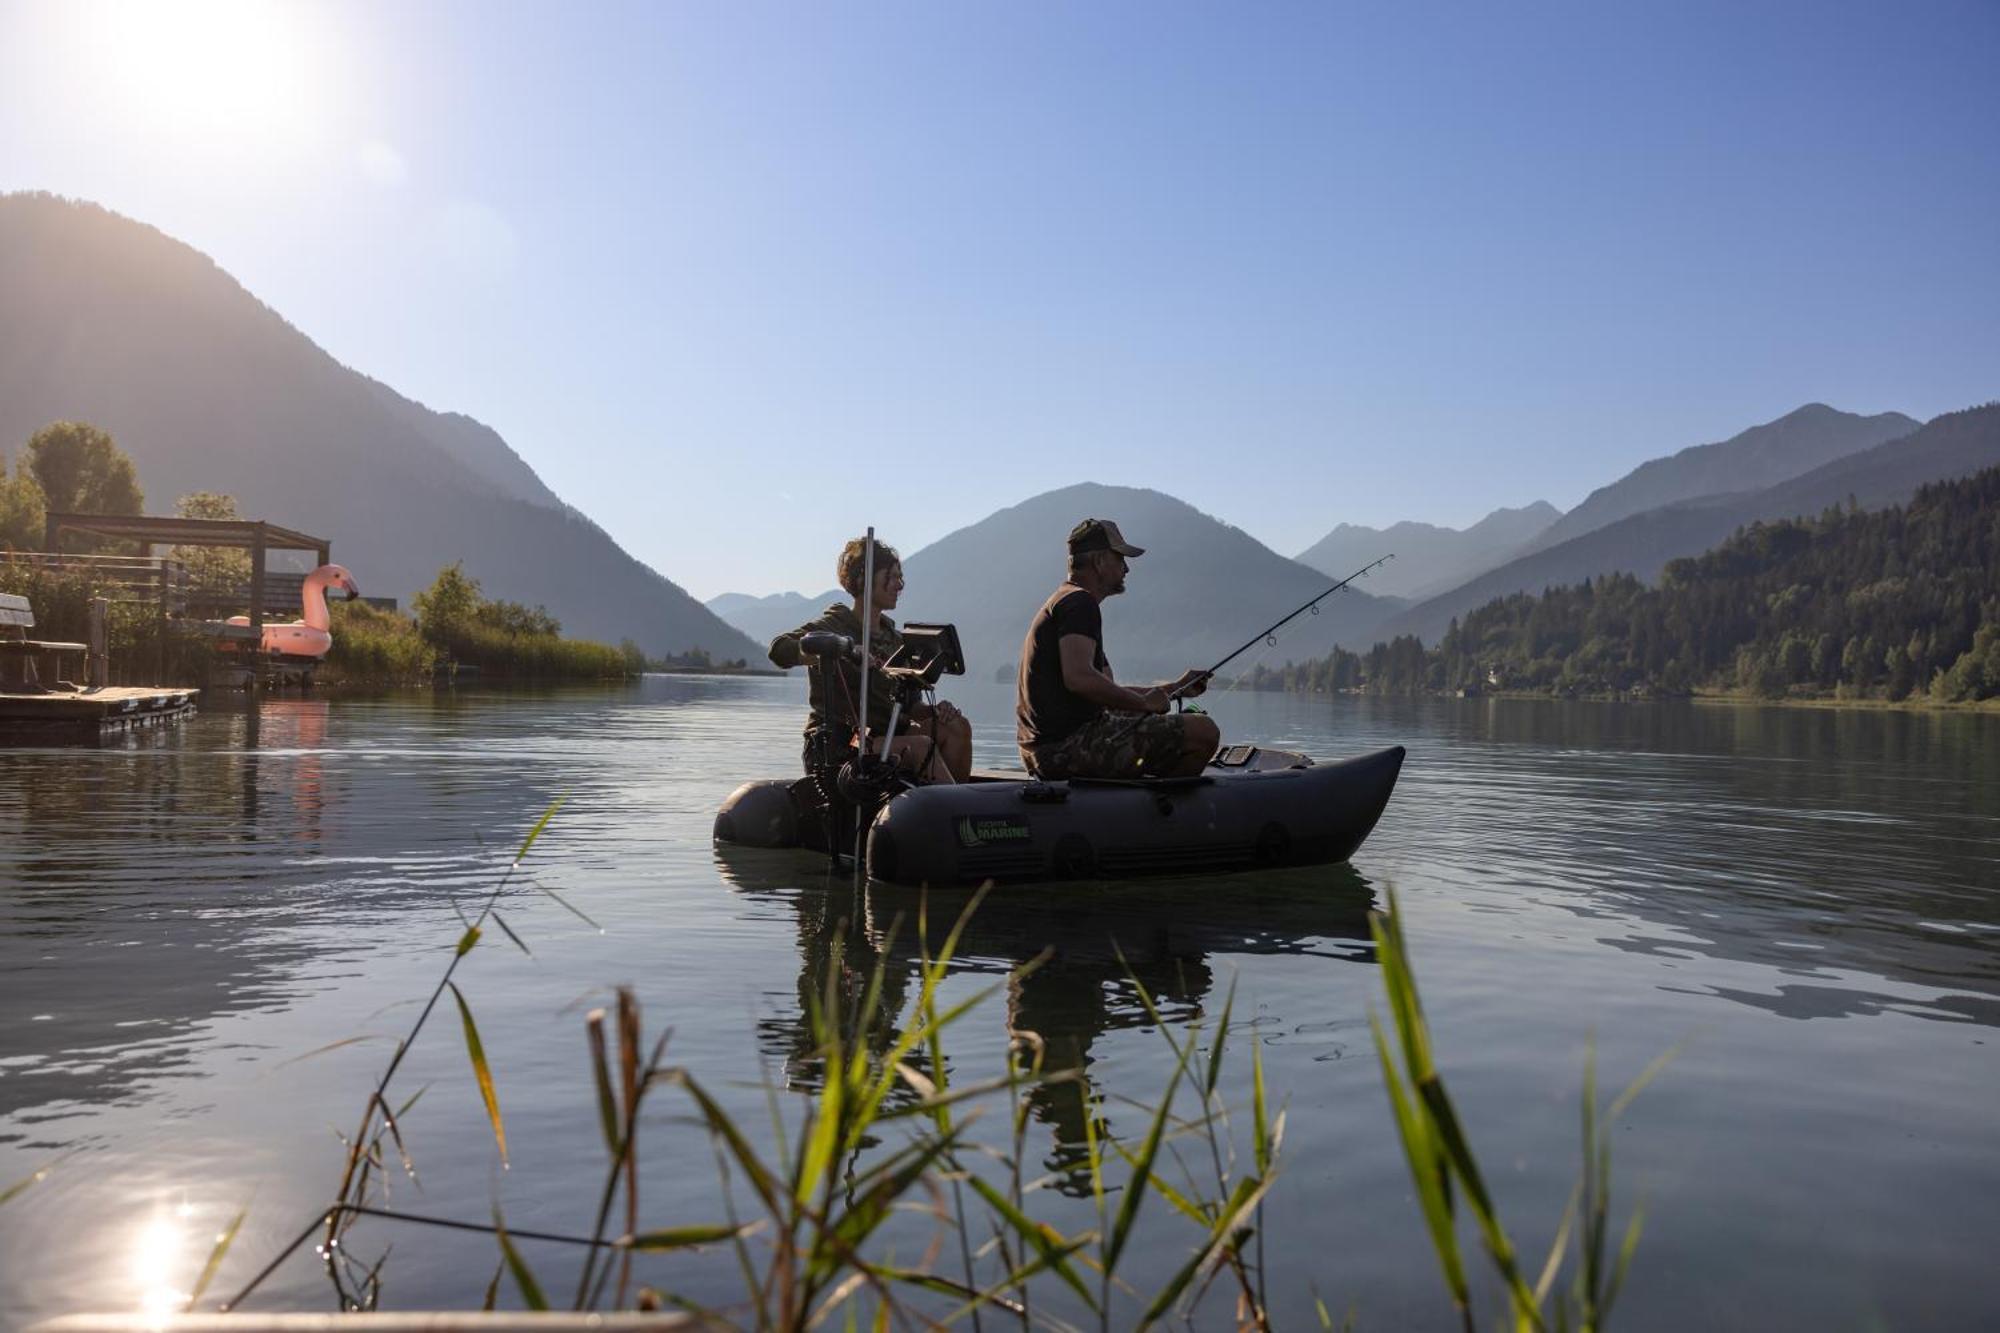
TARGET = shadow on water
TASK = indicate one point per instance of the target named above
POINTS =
(1096, 944)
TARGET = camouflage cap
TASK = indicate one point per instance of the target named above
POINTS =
(1100, 534)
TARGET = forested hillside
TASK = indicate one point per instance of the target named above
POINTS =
(1859, 604)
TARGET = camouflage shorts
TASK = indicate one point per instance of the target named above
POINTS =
(1114, 745)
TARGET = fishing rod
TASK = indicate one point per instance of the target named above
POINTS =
(1268, 633)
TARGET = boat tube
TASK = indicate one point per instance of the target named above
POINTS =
(1251, 808)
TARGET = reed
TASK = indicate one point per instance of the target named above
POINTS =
(815, 1206)
(1444, 1167)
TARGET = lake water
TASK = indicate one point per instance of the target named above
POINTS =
(1805, 903)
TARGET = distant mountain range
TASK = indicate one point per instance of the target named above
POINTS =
(1429, 559)
(1954, 445)
(764, 618)
(1751, 460)
(1204, 586)
(1201, 589)
(110, 321)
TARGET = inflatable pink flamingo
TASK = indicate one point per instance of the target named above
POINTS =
(312, 636)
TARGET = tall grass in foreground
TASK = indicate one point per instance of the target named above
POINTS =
(1440, 1155)
(814, 1206)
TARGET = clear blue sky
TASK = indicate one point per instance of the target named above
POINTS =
(739, 279)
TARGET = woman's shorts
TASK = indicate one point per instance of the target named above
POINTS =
(1114, 745)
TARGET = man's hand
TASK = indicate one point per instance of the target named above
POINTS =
(1191, 683)
(1155, 698)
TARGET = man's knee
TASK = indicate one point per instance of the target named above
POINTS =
(1201, 733)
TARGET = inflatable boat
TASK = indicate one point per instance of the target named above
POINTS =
(1250, 808)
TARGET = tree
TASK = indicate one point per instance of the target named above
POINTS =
(212, 568)
(22, 509)
(450, 604)
(81, 470)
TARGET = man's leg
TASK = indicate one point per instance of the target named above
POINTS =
(1200, 738)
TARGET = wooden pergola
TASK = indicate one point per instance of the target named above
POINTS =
(252, 535)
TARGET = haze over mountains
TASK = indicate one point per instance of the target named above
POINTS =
(1750, 460)
(1198, 571)
(110, 321)
(1201, 589)
(1956, 444)
(1429, 559)
(764, 618)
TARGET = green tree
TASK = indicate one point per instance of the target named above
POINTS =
(212, 568)
(81, 470)
(450, 605)
(22, 509)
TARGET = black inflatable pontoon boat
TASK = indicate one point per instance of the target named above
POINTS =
(1250, 808)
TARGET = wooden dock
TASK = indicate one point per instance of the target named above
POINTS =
(70, 717)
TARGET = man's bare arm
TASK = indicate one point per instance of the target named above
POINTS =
(1082, 678)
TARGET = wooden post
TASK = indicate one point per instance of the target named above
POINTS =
(98, 670)
(257, 581)
(160, 623)
(256, 611)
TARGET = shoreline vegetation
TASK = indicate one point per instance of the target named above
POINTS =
(455, 630)
(875, 1145)
(1897, 607)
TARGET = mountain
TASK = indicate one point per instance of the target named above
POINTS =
(1954, 445)
(1201, 589)
(110, 321)
(1762, 456)
(1429, 559)
(764, 618)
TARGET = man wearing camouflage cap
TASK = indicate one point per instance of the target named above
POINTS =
(1072, 719)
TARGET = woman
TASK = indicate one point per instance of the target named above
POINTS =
(931, 744)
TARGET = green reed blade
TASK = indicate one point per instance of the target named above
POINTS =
(481, 1071)
(1045, 1240)
(396, 1134)
(1559, 1246)
(1135, 1191)
(992, 1294)
(569, 907)
(681, 1238)
(319, 1050)
(540, 824)
(823, 1136)
(1225, 1233)
(1221, 1039)
(1182, 1204)
(32, 1178)
(493, 1287)
(215, 1254)
(404, 1109)
(524, 1278)
(466, 941)
(508, 930)
(970, 1092)
(1458, 1150)
(1427, 1170)
(886, 1184)
(1626, 1250)
(1262, 1139)
(719, 1123)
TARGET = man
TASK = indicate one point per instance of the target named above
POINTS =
(934, 745)
(1073, 720)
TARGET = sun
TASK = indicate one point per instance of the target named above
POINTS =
(210, 72)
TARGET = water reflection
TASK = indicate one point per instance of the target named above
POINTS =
(1094, 948)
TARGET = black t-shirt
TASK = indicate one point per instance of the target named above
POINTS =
(1046, 710)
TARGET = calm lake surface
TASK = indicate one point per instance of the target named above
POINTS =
(1806, 903)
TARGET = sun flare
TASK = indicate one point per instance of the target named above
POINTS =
(210, 71)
